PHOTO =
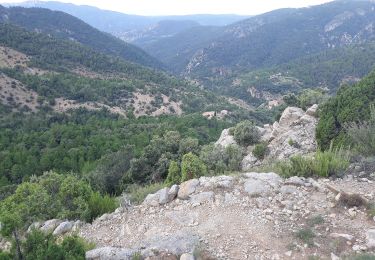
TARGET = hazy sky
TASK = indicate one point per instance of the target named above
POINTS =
(179, 7)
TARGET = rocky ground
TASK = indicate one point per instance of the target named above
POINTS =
(249, 216)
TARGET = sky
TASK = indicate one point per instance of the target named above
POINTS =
(181, 7)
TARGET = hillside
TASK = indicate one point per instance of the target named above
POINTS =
(274, 38)
(67, 27)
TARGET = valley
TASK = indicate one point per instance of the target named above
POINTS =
(191, 137)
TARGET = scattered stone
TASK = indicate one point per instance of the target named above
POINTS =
(288, 190)
(109, 253)
(345, 236)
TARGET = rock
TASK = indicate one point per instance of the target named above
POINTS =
(370, 237)
(104, 217)
(163, 196)
(187, 257)
(288, 189)
(50, 225)
(225, 139)
(225, 182)
(345, 236)
(63, 228)
(77, 226)
(187, 188)
(297, 181)
(119, 210)
(334, 257)
(172, 193)
(152, 200)
(312, 111)
(270, 178)
(290, 115)
(201, 198)
(248, 162)
(110, 253)
(257, 188)
(177, 244)
(35, 225)
(316, 184)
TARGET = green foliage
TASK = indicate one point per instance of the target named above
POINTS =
(5, 256)
(39, 246)
(260, 151)
(219, 159)
(192, 167)
(306, 235)
(362, 134)
(351, 105)
(315, 220)
(52, 196)
(138, 193)
(174, 174)
(246, 133)
(99, 205)
(323, 164)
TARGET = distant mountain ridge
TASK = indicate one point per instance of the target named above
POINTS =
(65, 26)
(126, 26)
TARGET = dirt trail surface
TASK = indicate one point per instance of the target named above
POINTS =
(250, 216)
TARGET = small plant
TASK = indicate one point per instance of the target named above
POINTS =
(315, 220)
(260, 151)
(137, 256)
(371, 210)
(306, 235)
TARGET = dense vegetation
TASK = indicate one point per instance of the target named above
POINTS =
(67, 27)
(351, 105)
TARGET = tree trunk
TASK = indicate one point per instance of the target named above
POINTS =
(18, 246)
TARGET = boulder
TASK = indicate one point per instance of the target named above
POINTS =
(225, 182)
(270, 178)
(187, 188)
(296, 181)
(370, 237)
(163, 196)
(312, 111)
(152, 200)
(201, 198)
(63, 228)
(172, 193)
(261, 184)
(225, 139)
(35, 225)
(50, 225)
(257, 188)
(77, 226)
(187, 257)
(110, 253)
(290, 115)
(248, 162)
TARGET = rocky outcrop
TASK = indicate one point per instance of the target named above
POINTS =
(293, 134)
(247, 216)
(56, 226)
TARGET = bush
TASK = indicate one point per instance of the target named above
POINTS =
(260, 151)
(98, 205)
(192, 167)
(362, 135)
(174, 174)
(306, 235)
(246, 133)
(323, 164)
(44, 246)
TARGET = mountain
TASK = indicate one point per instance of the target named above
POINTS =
(40, 70)
(65, 26)
(271, 39)
(125, 25)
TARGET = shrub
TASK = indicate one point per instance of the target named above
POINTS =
(260, 151)
(192, 167)
(246, 133)
(174, 174)
(98, 205)
(306, 235)
(362, 134)
(323, 164)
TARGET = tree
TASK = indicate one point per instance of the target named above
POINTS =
(174, 174)
(246, 133)
(192, 167)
